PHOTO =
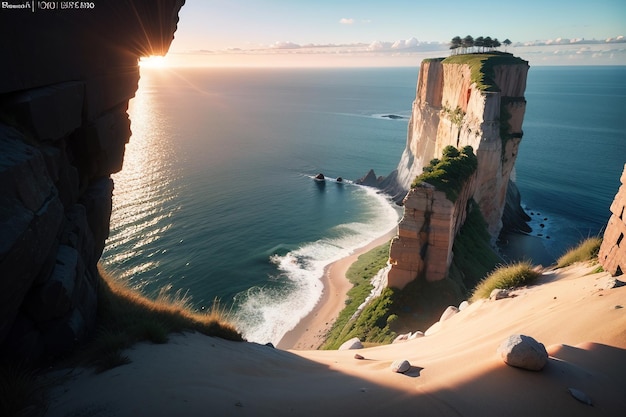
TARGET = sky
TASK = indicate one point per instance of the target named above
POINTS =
(392, 32)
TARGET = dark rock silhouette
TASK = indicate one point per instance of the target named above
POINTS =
(65, 83)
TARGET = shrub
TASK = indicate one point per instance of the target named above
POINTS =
(506, 277)
(450, 173)
(586, 250)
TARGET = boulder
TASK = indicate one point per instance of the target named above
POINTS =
(416, 335)
(400, 366)
(353, 343)
(523, 352)
(401, 338)
(498, 294)
(463, 305)
(319, 176)
(450, 311)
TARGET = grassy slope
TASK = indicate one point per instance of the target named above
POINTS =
(420, 303)
(126, 317)
(481, 66)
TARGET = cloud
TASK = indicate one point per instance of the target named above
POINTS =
(379, 46)
(403, 44)
(346, 21)
(284, 45)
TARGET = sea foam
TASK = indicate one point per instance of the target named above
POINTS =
(266, 314)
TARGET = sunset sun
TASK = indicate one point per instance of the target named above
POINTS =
(153, 61)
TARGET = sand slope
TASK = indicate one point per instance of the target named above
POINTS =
(455, 371)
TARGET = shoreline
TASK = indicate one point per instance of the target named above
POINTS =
(310, 332)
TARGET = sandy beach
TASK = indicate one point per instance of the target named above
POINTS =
(454, 371)
(310, 332)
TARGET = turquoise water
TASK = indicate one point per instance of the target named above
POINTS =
(216, 197)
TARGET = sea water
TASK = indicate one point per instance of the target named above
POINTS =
(216, 199)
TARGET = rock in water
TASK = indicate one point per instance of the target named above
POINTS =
(523, 352)
(400, 366)
(353, 343)
(319, 176)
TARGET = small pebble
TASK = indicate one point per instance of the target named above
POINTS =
(580, 396)
(357, 356)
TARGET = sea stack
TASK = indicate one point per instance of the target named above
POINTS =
(472, 100)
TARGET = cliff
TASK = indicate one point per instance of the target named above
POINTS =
(64, 92)
(612, 255)
(472, 100)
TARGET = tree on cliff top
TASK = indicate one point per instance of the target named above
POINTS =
(455, 44)
(468, 43)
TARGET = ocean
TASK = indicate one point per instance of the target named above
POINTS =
(216, 198)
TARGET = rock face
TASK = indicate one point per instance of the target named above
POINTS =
(612, 255)
(426, 234)
(65, 82)
(450, 109)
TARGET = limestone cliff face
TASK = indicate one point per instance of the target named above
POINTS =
(442, 89)
(451, 109)
(426, 233)
(612, 255)
(65, 82)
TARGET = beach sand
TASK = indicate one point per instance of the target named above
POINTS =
(311, 331)
(455, 371)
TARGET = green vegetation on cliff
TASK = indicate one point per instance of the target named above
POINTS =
(474, 256)
(482, 66)
(359, 274)
(449, 173)
(420, 303)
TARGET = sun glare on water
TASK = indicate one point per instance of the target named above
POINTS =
(153, 61)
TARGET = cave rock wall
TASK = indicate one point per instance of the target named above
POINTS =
(65, 82)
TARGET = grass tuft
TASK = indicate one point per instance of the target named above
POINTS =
(126, 317)
(586, 250)
(21, 392)
(506, 277)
